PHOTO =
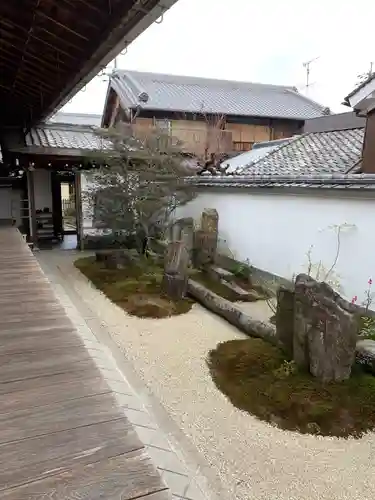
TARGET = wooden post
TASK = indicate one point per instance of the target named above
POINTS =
(32, 208)
(79, 215)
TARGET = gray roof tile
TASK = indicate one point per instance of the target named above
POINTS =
(314, 153)
(63, 136)
(197, 95)
(318, 181)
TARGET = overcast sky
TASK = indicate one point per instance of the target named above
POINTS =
(263, 41)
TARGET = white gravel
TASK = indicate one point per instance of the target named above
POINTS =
(254, 460)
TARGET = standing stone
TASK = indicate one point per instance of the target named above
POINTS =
(183, 230)
(285, 319)
(210, 220)
(325, 333)
(206, 239)
(176, 264)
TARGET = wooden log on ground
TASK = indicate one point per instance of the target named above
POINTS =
(232, 313)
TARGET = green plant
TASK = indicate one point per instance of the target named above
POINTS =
(241, 269)
(138, 184)
(287, 369)
(367, 327)
(318, 270)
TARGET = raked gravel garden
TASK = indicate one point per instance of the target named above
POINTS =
(254, 459)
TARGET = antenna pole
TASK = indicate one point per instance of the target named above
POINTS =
(307, 65)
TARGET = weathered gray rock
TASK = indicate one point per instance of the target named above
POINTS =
(365, 354)
(220, 273)
(174, 286)
(176, 258)
(325, 333)
(117, 258)
(284, 319)
(206, 239)
(210, 220)
(183, 230)
(174, 283)
(204, 252)
(237, 292)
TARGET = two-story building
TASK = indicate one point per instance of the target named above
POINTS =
(207, 115)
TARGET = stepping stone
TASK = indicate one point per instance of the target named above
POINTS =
(219, 273)
(238, 292)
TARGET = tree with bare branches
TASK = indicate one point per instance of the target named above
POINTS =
(139, 183)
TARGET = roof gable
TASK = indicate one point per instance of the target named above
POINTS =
(201, 95)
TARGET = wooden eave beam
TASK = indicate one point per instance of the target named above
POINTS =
(55, 21)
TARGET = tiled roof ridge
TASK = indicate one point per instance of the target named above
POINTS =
(191, 80)
(328, 180)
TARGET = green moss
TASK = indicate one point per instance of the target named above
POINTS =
(256, 377)
(137, 289)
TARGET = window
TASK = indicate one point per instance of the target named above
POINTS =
(164, 125)
(242, 146)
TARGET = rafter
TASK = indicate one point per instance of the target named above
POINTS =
(48, 46)
(55, 21)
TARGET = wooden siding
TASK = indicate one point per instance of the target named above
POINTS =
(62, 433)
(248, 133)
(368, 154)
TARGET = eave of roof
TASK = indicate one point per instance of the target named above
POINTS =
(118, 40)
(359, 87)
(57, 139)
(353, 182)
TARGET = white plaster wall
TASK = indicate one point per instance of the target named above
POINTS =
(43, 190)
(275, 230)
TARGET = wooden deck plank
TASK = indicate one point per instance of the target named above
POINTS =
(44, 382)
(102, 480)
(33, 324)
(34, 397)
(17, 343)
(31, 364)
(23, 424)
(30, 459)
(62, 433)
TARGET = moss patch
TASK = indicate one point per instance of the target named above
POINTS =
(256, 377)
(137, 289)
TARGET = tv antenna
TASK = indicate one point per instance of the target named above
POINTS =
(307, 65)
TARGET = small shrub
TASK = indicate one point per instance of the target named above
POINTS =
(367, 327)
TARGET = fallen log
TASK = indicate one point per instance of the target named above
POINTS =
(231, 313)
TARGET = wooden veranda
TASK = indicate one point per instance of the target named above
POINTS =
(62, 433)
